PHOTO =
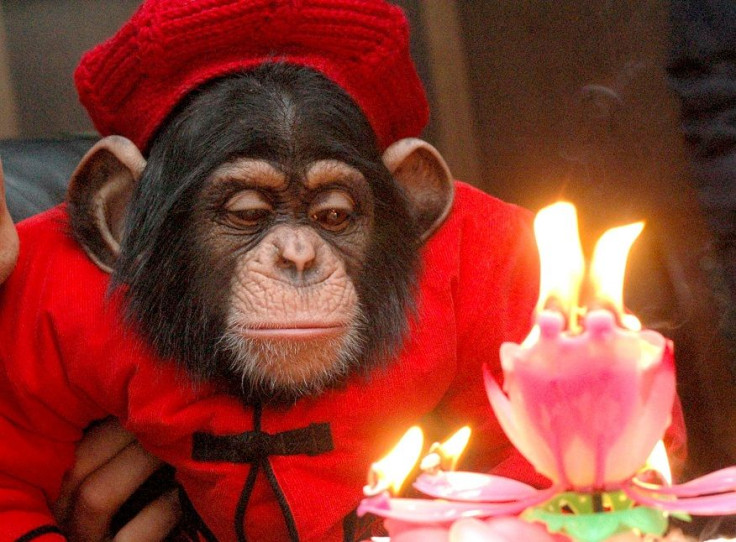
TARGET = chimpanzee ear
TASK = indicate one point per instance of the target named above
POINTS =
(420, 169)
(98, 196)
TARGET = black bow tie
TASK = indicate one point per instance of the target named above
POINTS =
(252, 446)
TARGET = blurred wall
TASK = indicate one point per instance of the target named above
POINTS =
(44, 41)
(8, 111)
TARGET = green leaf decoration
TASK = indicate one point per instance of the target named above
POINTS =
(573, 514)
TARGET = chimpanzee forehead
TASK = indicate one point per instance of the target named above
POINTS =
(279, 113)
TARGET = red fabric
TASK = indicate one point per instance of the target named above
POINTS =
(130, 83)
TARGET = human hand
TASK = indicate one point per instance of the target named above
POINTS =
(110, 466)
(8, 235)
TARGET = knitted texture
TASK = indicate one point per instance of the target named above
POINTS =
(131, 82)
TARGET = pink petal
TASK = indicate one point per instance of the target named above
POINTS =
(519, 530)
(474, 530)
(516, 507)
(719, 481)
(513, 421)
(649, 423)
(501, 405)
(711, 505)
(587, 409)
(421, 510)
(445, 512)
(580, 413)
(473, 487)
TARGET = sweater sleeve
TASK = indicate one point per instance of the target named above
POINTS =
(42, 415)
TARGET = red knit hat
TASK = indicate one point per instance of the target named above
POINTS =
(130, 83)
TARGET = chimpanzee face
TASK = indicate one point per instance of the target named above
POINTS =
(299, 243)
(266, 245)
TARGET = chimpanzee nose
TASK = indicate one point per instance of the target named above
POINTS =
(296, 251)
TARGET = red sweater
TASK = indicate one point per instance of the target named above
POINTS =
(66, 360)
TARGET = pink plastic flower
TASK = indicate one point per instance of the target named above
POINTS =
(502, 529)
(586, 410)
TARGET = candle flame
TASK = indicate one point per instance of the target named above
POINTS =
(562, 267)
(658, 462)
(391, 471)
(561, 259)
(454, 446)
(446, 455)
(608, 267)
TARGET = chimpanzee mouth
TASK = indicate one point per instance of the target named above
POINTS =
(295, 332)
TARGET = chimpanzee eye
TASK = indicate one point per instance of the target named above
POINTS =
(332, 210)
(248, 208)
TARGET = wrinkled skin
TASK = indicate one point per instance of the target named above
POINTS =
(292, 297)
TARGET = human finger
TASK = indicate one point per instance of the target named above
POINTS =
(8, 235)
(104, 491)
(155, 522)
(100, 445)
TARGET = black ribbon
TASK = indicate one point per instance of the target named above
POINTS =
(252, 446)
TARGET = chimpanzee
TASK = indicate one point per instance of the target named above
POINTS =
(276, 254)
(295, 279)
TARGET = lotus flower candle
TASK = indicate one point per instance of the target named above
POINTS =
(594, 366)
(589, 395)
(617, 387)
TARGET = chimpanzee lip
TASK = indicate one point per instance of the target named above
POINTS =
(295, 331)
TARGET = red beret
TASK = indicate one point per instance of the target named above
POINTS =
(131, 82)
